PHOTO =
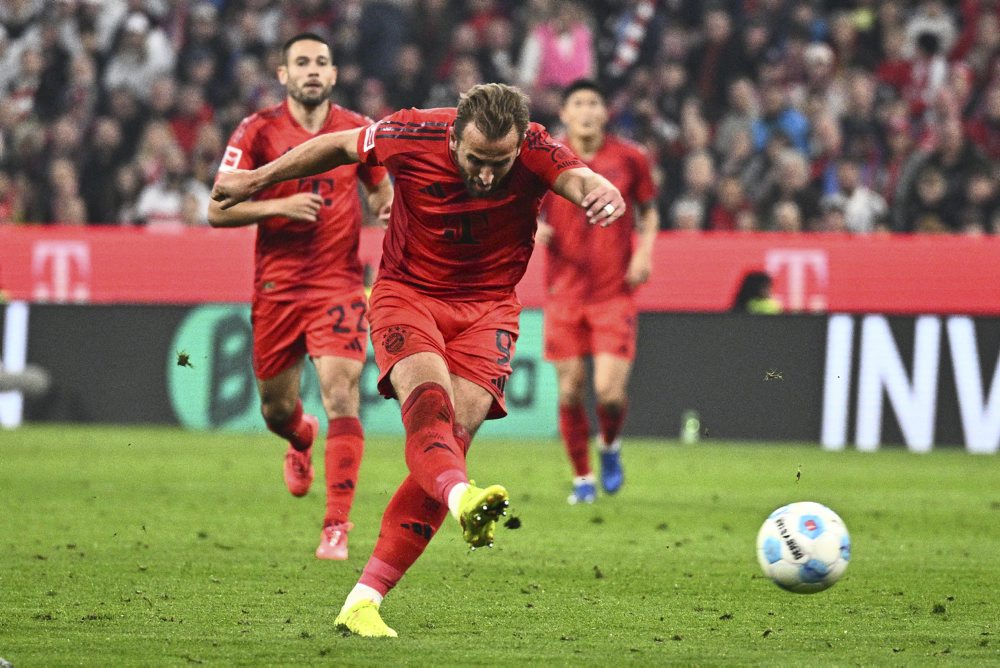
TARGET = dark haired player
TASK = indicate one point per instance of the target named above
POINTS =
(444, 315)
(309, 294)
(590, 279)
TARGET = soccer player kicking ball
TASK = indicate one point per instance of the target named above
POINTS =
(308, 286)
(468, 184)
(589, 280)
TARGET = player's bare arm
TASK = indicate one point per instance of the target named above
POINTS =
(300, 206)
(641, 265)
(544, 233)
(593, 192)
(320, 154)
(380, 200)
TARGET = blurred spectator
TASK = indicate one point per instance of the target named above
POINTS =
(384, 24)
(984, 127)
(23, 88)
(559, 49)
(895, 69)
(62, 188)
(161, 98)
(372, 100)
(699, 179)
(124, 107)
(730, 203)
(984, 51)
(687, 215)
(955, 160)
(754, 48)
(779, 114)
(128, 185)
(81, 94)
(10, 199)
(464, 71)
(754, 295)
(899, 150)
(97, 175)
(858, 121)
(822, 86)
(929, 210)
(430, 22)
(497, 58)
(203, 38)
(174, 200)
(982, 202)
(928, 74)
(71, 210)
(827, 149)
(55, 57)
(934, 19)
(310, 15)
(864, 209)
(740, 161)
(410, 84)
(741, 116)
(834, 218)
(786, 217)
(191, 112)
(791, 185)
(142, 52)
(19, 15)
(9, 56)
(715, 61)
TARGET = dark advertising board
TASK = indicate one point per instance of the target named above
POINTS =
(839, 380)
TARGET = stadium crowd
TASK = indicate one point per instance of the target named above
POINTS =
(836, 115)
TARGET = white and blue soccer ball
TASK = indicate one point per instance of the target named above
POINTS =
(804, 547)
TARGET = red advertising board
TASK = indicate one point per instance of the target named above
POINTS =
(692, 272)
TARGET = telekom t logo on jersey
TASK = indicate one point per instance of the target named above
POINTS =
(804, 274)
(61, 271)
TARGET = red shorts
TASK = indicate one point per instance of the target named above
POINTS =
(285, 331)
(476, 339)
(581, 330)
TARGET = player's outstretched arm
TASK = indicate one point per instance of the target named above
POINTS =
(641, 265)
(319, 154)
(300, 206)
(588, 189)
(380, 200)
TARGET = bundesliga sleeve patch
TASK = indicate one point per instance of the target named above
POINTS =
(231, 160)
(369, 142)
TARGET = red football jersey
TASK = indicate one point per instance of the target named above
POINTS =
(442, 240)
(296, 259)
(587, 263)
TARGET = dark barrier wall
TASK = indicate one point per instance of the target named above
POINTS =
(718, 365)
(841, 380)
(119, 364)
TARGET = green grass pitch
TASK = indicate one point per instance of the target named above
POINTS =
(148, 546)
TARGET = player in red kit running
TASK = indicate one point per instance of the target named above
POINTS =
(468, 185)
(308, 286)
(590, 279)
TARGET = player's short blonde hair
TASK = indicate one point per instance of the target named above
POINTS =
(495, 109)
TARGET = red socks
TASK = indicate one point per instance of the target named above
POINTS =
(611, 417)
(408, 524)
(433, 454)
(345, 444)
(575, 430)
(294, 430)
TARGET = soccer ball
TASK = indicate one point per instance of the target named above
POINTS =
(803, 547)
